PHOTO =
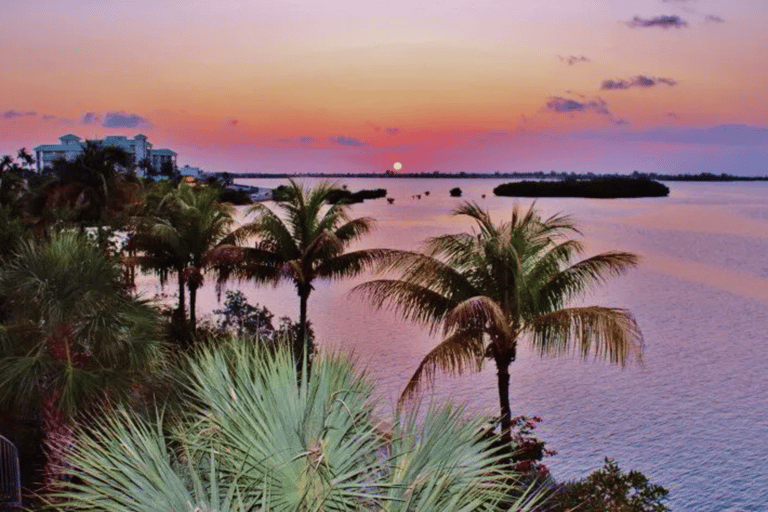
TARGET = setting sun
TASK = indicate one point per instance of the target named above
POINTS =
(397, 166)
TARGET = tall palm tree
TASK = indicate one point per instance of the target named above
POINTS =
(501, 284)
(308, 241)
(72, 339)
(186, 224)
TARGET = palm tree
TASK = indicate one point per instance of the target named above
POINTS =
(492, 288)
(186, 224)
(308, 242)
(72, 339)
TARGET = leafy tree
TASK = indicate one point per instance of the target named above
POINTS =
(94, 186)
(308, 242)
(503, 283)
(252, 438)
(72, 340)
(168, 169)
(610, 490)
(243, 319)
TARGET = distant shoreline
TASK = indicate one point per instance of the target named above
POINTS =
(703, 177)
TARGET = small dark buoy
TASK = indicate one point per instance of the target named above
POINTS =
(418, 196)
(390, 200)
(483, 196)
(426, 193)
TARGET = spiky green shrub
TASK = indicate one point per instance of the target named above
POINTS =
(253, 439)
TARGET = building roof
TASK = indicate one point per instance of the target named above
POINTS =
(58, 147)
(163, 152)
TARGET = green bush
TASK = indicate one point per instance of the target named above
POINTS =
(610, 490)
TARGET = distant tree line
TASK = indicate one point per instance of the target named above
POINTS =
(602, 188)
(552, 175)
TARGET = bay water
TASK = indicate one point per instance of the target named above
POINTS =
(693, 418)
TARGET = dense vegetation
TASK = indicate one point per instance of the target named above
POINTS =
(602, 188)
(227, 415)
(334, 195)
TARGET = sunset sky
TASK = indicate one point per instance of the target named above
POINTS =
(344, 85)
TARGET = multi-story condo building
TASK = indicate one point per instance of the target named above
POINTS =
(70, 146)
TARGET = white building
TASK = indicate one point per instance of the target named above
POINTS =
(70, 146)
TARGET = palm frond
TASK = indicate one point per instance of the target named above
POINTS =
(480, 312)
(580, 277)
(412, 301)
(462, 351)
(354, 229)
(350, 264)
(605, 333)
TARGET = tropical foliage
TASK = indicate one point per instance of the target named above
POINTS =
(176, 236)
(254, 439)
(240, 319)
(94, 187)
(72, 339)
(503, 283)
(309, 241)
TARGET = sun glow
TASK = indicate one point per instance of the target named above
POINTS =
(397, 166)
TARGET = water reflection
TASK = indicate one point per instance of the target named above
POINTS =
(694, 419)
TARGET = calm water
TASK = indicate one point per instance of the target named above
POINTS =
(694, 418)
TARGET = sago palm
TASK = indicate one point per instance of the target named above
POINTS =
(503, 283)
(308, 241)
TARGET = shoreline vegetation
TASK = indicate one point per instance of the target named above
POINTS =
(84, 361)
(540, 175)
(602, 188)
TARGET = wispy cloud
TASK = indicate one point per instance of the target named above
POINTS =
(233, 122)
(90, 118)
(49, 117)
(347, 141)
(13, 114)
(124, 120)
(711, 18)
(393, 131)
(561, 105)
(641, 81)
(298, 140)
(663, 21)
(573, 59)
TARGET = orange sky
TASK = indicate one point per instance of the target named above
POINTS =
(276, 84)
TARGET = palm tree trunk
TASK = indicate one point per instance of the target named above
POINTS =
(192, 307)
(181, 311)
(301, 344)
(58, 435)
(502, 373)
